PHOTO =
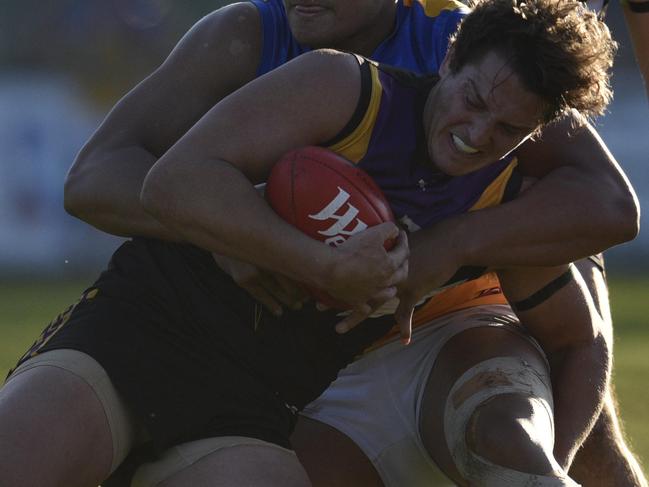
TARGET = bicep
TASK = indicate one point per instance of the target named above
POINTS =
(305, 102)
(553, 304)
(214, 58)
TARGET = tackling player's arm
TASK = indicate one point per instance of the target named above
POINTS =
(219, 54)
(555, 306)
(202, 188)
(582, 204)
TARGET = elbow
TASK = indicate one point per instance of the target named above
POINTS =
(75, 191)
(71, 200)
(155, 198)
(623, 217)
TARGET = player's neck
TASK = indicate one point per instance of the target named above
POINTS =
(366, 41)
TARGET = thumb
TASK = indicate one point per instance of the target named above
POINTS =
(385, 231)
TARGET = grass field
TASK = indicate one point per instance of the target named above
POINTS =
(25, 308)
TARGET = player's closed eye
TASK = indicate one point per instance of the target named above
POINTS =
(473, 103)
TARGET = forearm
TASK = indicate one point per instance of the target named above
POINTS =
(103, 189)
(206, 202)
(580, 378)
(558, 220)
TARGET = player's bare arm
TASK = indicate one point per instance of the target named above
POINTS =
(556, 308)
(219, 54)
(582, 206)
(203, 189)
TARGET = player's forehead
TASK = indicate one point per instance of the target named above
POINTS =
(494, 83)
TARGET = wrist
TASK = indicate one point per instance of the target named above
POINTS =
(320, 267)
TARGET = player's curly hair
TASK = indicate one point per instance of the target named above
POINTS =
(558, 48)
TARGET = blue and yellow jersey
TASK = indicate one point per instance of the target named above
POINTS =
(386, 139)
(418, 43)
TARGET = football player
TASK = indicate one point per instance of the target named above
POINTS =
(138, 160)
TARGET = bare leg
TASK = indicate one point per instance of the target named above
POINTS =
(507, 430)
(53, 431)
(331, 458)
(605, 459)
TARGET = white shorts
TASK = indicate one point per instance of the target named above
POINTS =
(376, 401)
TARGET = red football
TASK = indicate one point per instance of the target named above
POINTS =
(327, 197)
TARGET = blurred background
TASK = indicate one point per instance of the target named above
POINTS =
(64, 63)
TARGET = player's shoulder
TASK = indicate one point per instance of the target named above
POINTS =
(239, 19)
(331, 64)
(230, 36)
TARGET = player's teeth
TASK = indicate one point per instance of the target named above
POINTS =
(459, 143)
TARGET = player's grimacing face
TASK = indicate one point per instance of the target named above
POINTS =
(478, 115)
(355, 25)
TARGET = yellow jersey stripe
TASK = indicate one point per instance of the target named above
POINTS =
(493, 195)
(354, 146)
(432, 8)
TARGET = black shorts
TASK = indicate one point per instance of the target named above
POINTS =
(193, 355)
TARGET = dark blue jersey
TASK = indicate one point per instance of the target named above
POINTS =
(418, 43)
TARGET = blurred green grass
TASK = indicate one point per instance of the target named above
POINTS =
(26, 307)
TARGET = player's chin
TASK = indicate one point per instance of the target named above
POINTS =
(454, 163)
(316, 35)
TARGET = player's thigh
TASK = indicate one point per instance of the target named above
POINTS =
(460, 354)
(53, 430)
(224, 461)
(330, 457)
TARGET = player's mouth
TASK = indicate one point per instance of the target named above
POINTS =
(462, 146)
(308, 10)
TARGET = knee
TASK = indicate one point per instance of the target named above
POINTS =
(498, 425)
(515, 431)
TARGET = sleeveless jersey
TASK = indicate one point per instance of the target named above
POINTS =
(387, 140)
(418, 43)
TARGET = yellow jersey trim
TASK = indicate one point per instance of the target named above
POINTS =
(493, 194)
(354, 146)
(434, 7)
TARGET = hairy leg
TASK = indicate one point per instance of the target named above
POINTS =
(605, 459)
(53, 431)
(330, 457)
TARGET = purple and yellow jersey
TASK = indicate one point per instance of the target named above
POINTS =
(418, 43)
(386, 139)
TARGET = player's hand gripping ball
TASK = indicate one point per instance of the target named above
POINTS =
(327, 197)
